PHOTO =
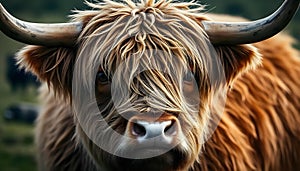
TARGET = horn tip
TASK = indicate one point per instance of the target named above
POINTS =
(2, 9)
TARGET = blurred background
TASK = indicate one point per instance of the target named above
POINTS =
(19, 90)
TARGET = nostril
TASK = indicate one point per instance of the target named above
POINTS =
(170, 129)
(143, 130)
(138, 130)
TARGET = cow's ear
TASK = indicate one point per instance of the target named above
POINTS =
(51, 65)
(238, 59)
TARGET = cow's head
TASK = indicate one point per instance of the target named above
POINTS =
(145, 79)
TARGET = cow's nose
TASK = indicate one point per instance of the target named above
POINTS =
(143, 130)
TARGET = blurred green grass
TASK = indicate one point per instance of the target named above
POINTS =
(17, 152)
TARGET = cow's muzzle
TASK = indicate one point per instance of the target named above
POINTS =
(152, 131)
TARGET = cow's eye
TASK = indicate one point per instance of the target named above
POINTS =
(188, 77)
(102, 78)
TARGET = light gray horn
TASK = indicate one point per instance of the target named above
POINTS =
(231, 33)
(58, 34)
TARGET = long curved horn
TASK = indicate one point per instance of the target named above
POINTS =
(61, 34)
(231, 33)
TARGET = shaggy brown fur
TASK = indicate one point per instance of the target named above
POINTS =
(258, 130)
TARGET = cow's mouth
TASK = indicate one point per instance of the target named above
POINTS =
(170, 161)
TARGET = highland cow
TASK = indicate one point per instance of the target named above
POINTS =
(161, 85)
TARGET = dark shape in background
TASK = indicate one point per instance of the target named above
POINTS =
(18, 78)
(23, 112)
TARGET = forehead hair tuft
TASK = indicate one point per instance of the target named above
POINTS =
(116, 31)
